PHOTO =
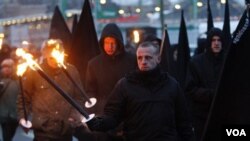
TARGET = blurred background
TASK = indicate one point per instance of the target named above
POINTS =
(30, 19)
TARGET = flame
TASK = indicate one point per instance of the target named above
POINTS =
(136, 36)
(21, 68)
(25, 42)
(1, 40)
(51, 41)
(28, 58)
(58, 56)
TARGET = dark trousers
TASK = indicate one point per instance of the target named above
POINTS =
(9, 130)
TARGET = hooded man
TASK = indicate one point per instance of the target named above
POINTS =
(106, 69)
(202, 78)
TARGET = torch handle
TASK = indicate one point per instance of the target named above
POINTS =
(23, 100)
(78, 87)
(64, 94)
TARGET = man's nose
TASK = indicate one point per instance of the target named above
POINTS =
(216, 41)
(144, 61)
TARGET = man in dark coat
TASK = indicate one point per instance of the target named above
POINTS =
(202, 77)
(53, 118)
(9, 89)
(107, 68)
(149, 102)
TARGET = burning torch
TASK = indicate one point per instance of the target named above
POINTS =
(136, 34)
(21, 68)
(1, 40)
(58, 55)
(34, 66)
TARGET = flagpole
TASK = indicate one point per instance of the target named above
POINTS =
(162, 15)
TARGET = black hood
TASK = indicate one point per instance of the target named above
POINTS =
(112, 30)
(211, 33)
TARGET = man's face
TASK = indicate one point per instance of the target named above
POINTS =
(147, 59)
(110, 45)
(216, 44)
(6, 70)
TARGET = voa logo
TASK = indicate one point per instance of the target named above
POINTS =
(236, 132)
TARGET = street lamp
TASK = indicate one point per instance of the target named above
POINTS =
(137, 10)
(157, 9)
(103, 1)
(199, 4)
(177, 6)
(121, 11)
(222, 1)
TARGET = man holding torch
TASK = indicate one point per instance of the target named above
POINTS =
(53, 118)
(149, 102)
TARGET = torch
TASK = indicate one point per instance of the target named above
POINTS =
(1, 40)
(136, 36)
(34, 66)
(59, 57)
(21, 68)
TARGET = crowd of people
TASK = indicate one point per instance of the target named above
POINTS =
(137, 99)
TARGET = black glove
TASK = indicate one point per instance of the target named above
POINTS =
(95, 124)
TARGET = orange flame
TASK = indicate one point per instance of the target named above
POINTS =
(21, 68)
(28, 58)
(1, 40)
(136, 36)
(25, 42)
(58, 56)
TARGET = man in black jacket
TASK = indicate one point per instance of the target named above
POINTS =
(149, 102)
(106, 69)
(202, 77)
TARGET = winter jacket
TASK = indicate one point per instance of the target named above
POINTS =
(8, 96)
(152, 107)
(50, 111)
(104, 71)
(202, 77)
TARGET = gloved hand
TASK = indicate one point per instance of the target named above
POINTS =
(94, 124)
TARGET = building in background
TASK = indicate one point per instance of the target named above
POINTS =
(29, 20)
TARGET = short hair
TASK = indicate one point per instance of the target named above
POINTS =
(149, 44)
(49, 44)
(7, 62)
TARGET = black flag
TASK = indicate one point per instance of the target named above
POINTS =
(210, 23)
(230, 106)
(226, 26)
(165, 45)
(60, 30)
(85, 43)
(183, 52)
(74, 23)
